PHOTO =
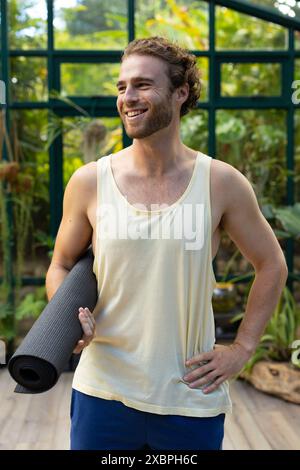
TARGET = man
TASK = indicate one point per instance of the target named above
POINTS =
(133, 386)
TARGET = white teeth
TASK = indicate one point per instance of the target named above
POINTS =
(134, 113)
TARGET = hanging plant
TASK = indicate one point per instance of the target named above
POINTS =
(93, 136)
(22, 183)
(9, 171)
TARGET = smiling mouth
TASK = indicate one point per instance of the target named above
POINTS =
(136, 116)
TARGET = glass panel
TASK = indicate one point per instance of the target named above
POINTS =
(296, 85)
(27, 24)
(89, 79)
(297, 69)
(248, 79)
(94, 137)
(297, 40)
(194, 130)
(0, 45)
(86, 24)
(203, 65)
(29, 128)
(254, 142)
(286, 8)
(297, 158)
(29, 79)
(235, 30)
(183, 20)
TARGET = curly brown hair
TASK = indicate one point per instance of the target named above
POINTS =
(181, 63)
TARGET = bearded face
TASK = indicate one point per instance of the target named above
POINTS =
(145, 100)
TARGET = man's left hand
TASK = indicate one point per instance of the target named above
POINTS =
(219, 364)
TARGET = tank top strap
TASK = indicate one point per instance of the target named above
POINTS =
(102, 181)
(200, 191)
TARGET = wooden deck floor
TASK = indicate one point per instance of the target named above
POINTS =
(41, 421)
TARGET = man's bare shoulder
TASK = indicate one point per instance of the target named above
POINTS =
(82, 183)
(87, 170)
(228, 178)
(221, 175)
(222, 170)
(231, 190)
(85, 177)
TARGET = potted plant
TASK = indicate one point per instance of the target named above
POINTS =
(224, 294)
(275, 366)
(227, 299)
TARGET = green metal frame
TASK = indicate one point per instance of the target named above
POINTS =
(106, 106)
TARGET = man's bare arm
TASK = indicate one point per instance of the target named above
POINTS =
(73, 238)
(250, 231)
(75, 232)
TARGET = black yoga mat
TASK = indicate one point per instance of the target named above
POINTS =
(45, 351)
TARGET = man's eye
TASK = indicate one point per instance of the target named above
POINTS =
(121, 89)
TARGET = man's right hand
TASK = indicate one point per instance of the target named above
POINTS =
(89, 326)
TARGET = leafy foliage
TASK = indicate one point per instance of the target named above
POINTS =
(32, 304)
(280, 332)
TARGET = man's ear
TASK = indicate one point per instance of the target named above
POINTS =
(183, 92)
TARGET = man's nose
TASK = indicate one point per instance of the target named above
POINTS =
(130, 94)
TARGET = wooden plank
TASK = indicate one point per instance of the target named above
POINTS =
(265, 402)
(292, 415)
(260, 402)
(9, 406)
(38, 424)
(281, 435)
(42, 421)
(272, 418)
(245, 417)
(228, 443)
(61, 435)
(235, 434)
(53, 400)
(4, 384)
(17, 406)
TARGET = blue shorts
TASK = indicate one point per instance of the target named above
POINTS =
(100, 424)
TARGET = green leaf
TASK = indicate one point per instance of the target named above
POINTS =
(237, 317)
(32, 305)
(267, 338)
(289, 218)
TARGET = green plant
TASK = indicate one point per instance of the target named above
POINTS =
(280, 332)
(288, 216)
(7, 330)
(229, 264)
(46, 240)
(16, 187)
(7, 327)
(32, 304)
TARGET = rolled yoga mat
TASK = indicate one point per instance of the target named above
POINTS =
(46, 349)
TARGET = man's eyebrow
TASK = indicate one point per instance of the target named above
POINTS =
(136, 79)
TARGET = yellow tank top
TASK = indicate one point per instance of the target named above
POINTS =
(155, 283)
